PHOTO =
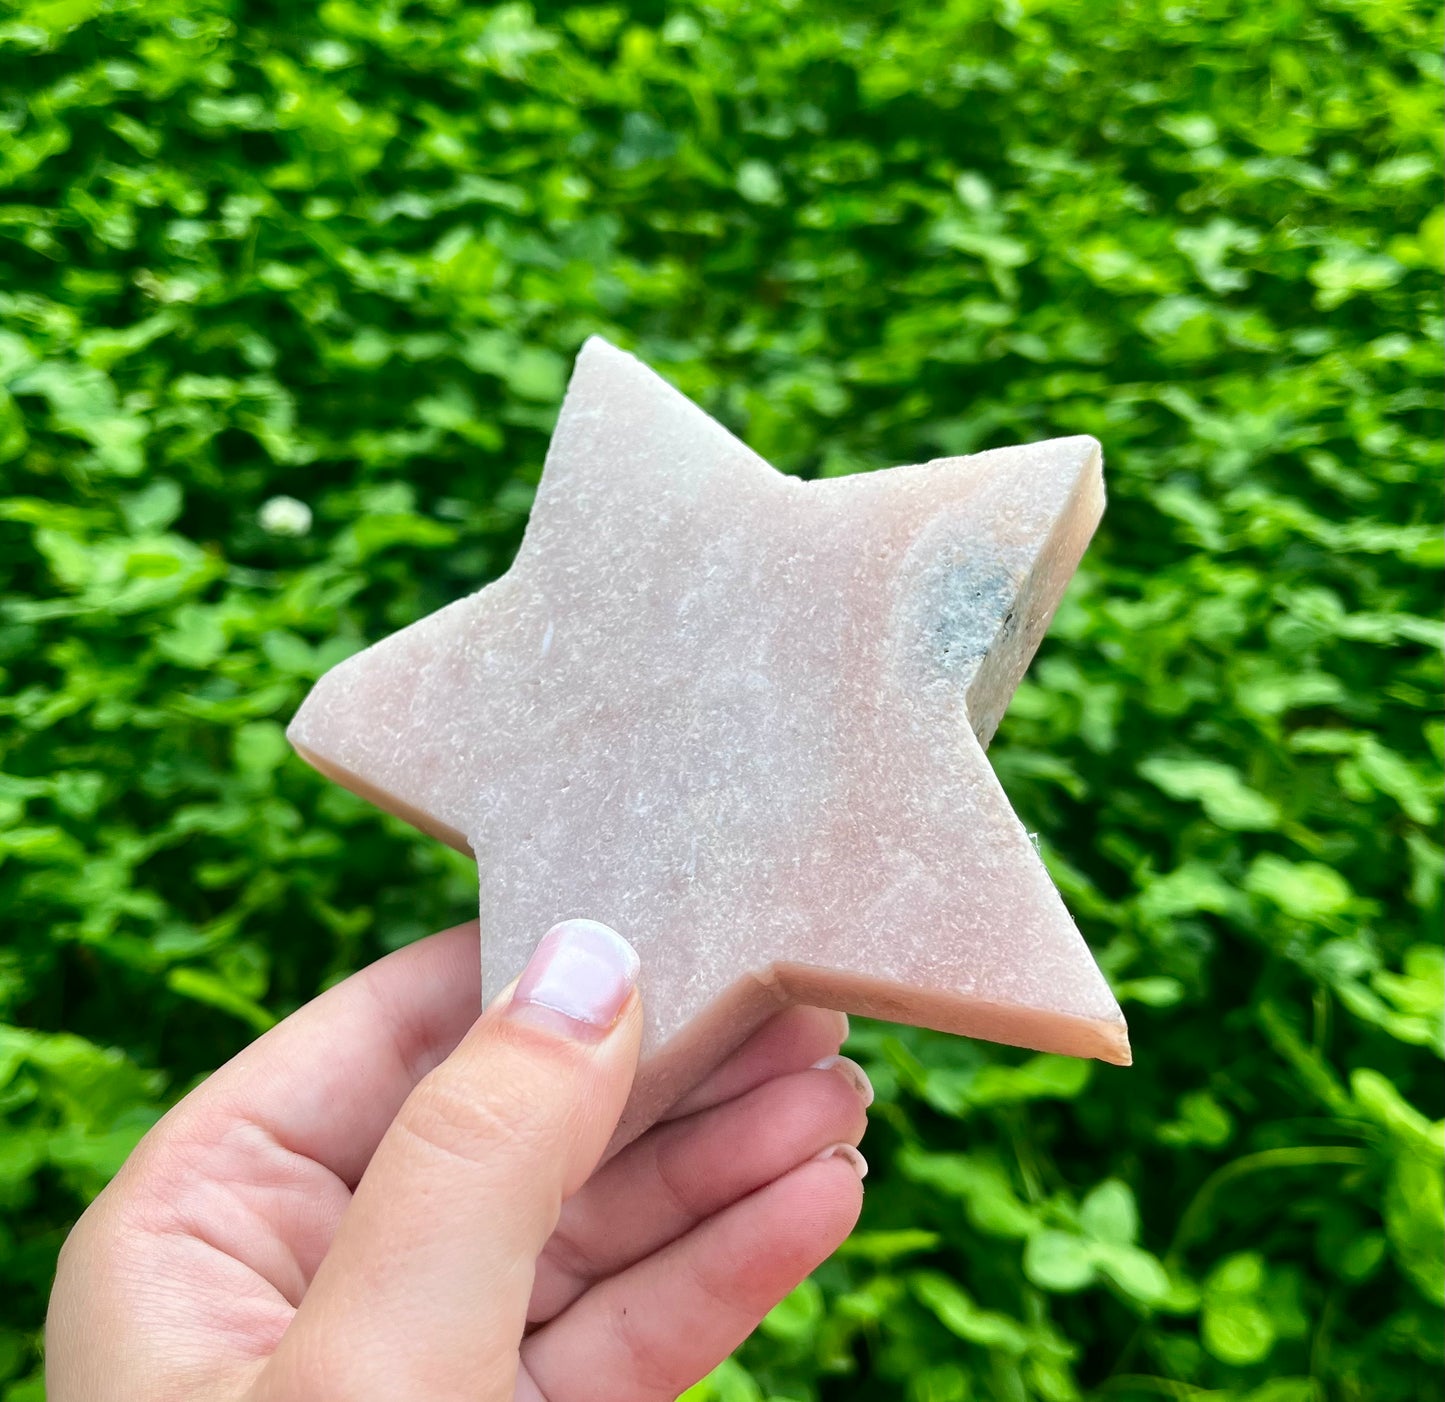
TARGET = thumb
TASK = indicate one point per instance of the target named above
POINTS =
(424, 1290)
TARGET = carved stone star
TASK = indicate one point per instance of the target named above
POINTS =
(741, 718)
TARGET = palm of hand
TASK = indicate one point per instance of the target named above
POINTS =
(192, 1276)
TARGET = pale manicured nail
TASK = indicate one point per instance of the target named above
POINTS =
(578, 979)
(848, 1154)
(854, 1074)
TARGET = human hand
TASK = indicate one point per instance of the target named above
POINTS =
(386, 1197)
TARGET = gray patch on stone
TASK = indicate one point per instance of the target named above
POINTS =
(970, 609)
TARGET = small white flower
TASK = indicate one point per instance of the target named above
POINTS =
(285, 516)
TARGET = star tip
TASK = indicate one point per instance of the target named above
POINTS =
(597, 345)
(298, 731)
(1090, 451)
(1117, 1051)
(296, 726)
(596, 359)
(307, 729)
(1080, 465)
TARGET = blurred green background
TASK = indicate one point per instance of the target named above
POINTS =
(288, 297)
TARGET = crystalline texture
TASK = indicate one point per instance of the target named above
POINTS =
(741, 718)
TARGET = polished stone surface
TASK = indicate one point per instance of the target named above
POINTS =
(741, 718)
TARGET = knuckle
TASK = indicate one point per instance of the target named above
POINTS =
(649, 1366)
(474, 1123)
(569, 1253)
(677, 1185)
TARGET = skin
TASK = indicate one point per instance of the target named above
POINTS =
(387, 1197)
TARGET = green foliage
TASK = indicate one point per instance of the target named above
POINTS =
(287, 300)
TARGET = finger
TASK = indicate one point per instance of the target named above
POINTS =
(254, 1168)
(791, 1041)
(650, 1333)
(327, 1081)
(424, 1291)
(679, 1174)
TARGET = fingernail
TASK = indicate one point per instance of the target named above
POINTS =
(848, 1154)
(856, 1076)
(577, 980)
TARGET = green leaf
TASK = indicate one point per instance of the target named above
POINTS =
(1109, 1213)
(1236, 1331)
(154, 507)
(1244, 1310)
(1201, 1120)
(1348, 271)
(959, 1315)
(993, 1206)
(1137, 1273)
(530, 372)
(13, 437)
(197, 639)
(260, 746)
(1059, 1261)
(1241, 1274)
(21, 1154)
(1039, 1078)
(1379, 1099)
(759, 183)
(202, 986)
(1192, 888)
(1218, 788)
(1156, 992)
(797, 1315)
(1414, 1214)
(885, 1246)
(1287, 1390)
(1304, 890)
